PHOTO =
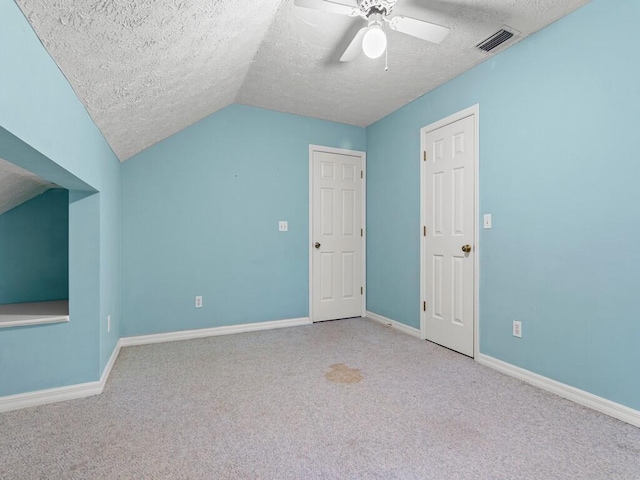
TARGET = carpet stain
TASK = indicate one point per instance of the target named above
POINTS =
(457, 433)
(629, 448)
(78, 466)
(340, 373)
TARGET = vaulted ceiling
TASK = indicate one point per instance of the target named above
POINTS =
(146, 69)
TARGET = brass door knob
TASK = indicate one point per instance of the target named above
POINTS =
(466, 248)
(317, 245)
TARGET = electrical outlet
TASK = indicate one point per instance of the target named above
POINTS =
(198, 302)
(283, 226)
(108, 323)
(517, 329)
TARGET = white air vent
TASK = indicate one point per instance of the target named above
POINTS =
(497, 39)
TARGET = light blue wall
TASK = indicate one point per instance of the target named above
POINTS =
(559, 172)
(200, 209)
(200, 217)
(34, 250)
(46, 129)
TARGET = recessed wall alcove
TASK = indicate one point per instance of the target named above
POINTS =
(34, 249)
(51, 300)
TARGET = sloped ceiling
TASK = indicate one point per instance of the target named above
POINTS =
(146, 69)
(18, 186)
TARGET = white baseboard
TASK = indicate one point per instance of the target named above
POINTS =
(60, 394)
(602, 405)
(71, 392)
(112, 360)
(50, 395)
(414, 332)
(212, 332)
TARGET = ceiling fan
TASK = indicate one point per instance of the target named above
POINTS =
(376, 12)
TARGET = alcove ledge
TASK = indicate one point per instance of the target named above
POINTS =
(36, 313)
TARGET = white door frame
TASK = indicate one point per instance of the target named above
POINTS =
(363, 156)
(475, 112)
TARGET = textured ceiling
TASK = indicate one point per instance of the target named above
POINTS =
(146, 69)
(18, 186)
(297, 68)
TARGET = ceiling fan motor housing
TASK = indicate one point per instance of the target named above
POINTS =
(382, 7)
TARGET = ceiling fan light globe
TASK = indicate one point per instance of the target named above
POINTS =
(374, 42)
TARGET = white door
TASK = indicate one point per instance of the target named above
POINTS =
(336, 234)
(449, 206)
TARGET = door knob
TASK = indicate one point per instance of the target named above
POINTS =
(317, 245)
(466, 248)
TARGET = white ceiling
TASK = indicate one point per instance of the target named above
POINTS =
(18, 186)
(146, 69)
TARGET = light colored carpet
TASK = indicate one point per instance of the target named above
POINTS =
(346, 399)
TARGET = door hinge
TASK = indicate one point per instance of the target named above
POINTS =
(424, 230)
(361, 174)
(362, 232)
(424, 155)
(361, 290)
(424, 306)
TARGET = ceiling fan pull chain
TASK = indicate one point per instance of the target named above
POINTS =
(386, 59)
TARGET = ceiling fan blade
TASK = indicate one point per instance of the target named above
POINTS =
(328, 6)
(418, 28)
(355, 47)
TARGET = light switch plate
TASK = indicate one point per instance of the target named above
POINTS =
(487, 220)
(283, 226)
